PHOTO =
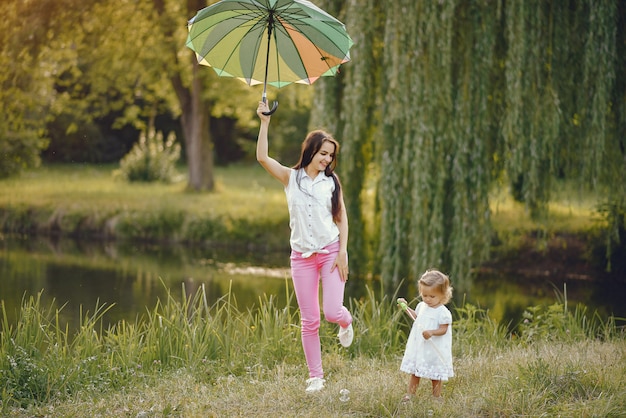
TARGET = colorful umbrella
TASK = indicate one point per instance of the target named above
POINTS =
(275, 42)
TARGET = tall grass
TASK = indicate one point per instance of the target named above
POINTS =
(41, 364)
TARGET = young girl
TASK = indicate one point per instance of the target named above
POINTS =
(319, 239)
(428, 350)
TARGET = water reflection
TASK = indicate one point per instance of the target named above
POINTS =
(134, 277)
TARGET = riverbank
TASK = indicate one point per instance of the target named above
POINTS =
(248, 210)
(85, 202)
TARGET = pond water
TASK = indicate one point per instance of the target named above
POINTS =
(132, 278)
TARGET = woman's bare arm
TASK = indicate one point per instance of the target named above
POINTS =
(276, 169)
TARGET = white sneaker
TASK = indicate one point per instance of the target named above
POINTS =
(314, 384)
(346, 335)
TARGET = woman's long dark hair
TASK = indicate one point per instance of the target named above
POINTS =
(310, 146)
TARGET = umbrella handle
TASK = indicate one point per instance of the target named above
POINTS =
(272, 110)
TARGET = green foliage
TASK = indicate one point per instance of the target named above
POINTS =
(151, 159)
(19, 151)
(165, 224)
(435, 137)
(473, 325)
(22, 119)
(487, 91)
(614, 212)
(39, 360)
(355, 126)
(459, 95)
(26, 377)
(382, 327)
(85, 200)
(557, 323)
(275, 331)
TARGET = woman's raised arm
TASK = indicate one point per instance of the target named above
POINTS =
(276, 169)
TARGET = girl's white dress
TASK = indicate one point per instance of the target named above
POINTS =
(432, 358)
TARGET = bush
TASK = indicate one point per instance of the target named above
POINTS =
(151, 159)
(19, 152)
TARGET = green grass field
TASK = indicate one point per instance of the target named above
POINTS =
(243, 191)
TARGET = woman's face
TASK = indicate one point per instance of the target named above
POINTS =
(323, 157)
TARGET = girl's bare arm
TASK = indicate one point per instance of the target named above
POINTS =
(443, 328)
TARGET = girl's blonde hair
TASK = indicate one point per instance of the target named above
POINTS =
(438, 280)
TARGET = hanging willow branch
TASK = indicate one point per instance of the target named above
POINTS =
(598, 80)
(436, 133)
(395, 150)
(326, 106)
(359, 105)
(532, 122)
(470, 93)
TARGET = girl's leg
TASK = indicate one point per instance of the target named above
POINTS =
(305, 276)
(414, 382)
(436, 388)
(333, 291)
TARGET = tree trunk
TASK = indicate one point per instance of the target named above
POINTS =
(199, 145)
(195, 116)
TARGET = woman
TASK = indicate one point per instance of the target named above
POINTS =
(319, 239)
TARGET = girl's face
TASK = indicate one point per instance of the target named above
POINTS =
(431, 296)
(323, 157)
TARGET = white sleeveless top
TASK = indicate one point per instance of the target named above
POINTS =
(310, 212)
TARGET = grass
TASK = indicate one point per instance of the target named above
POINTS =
(241, 191)
(514, 383)
(86, 200)
(190, 359)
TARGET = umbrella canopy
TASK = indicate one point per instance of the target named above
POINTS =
(275, 42)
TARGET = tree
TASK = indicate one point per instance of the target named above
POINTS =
(196, 89)
(434, 175)
(194, 107)
(121, 58)
(22, 80)
(474, 93)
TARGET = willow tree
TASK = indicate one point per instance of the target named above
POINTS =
(561, 101)
(471, 93)
(326, 107)
(531, 123)
(435, 132)
(357, 116)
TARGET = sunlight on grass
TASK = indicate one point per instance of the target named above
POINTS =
(247, 191)
(242, 191)
(570, 210)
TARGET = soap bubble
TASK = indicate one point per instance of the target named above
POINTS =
(344, 395)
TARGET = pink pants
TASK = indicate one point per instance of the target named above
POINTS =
(306, 274)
